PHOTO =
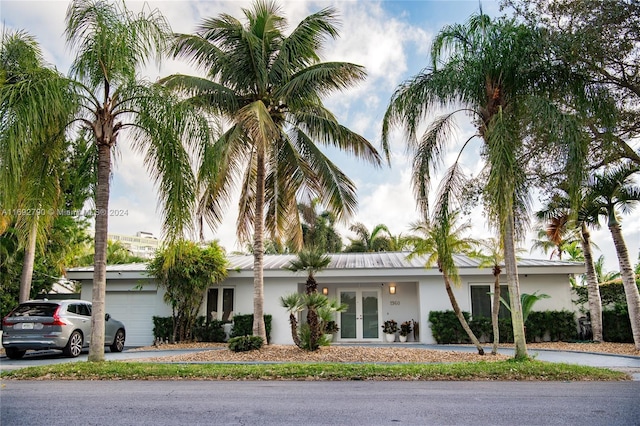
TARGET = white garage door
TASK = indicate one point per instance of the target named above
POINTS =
(136, 310)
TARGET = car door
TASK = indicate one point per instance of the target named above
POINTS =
(80, 315)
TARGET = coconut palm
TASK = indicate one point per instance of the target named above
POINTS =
(490, 69)
(616, 191)
(111, 44)
(268, 86)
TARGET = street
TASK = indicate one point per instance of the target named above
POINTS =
(318, 403)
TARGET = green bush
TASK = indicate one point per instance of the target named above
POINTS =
(245, 343)
(201, 331)
(208, 332)
(243, 326)
(616, 326)
(446, 328)
(162, 328)
(558, 325)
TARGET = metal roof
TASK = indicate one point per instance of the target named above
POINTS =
(352, 261)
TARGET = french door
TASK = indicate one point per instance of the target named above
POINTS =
(361, 320)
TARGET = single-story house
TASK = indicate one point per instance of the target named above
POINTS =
(376, 286)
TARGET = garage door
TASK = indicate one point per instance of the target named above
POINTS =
(136, 310)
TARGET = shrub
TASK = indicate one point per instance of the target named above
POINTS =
(162, 328)
(616, 326)
(209, 332)
(245, 343)
(446, 328)
(243, 326)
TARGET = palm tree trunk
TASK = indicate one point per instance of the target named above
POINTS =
(628, 281)
(294, 329)
(495, 310)
(458, 312)
(595, 303)
(258, 250)
(511, 266)
(96, 345)
(28, 262)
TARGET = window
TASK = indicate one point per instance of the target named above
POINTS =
(220, 298)
(481, 299)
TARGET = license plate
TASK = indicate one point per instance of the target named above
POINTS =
(27, 326)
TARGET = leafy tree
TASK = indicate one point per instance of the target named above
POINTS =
(613, 191)
(268, 85)
(185, 271)
(596, 44)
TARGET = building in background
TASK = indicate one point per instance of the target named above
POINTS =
(143, 244)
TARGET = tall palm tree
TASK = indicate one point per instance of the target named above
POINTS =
(490, 70)
(615, 190)
(111, 44)
(491, 255)
(30, 195)
(268, 86)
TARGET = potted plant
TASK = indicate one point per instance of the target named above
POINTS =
(330, 328)
(405, 329)
(389, 328)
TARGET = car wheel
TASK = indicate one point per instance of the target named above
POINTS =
(74, 345)
(118, 342)
(14, 353)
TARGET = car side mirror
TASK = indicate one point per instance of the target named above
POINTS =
(107, 317)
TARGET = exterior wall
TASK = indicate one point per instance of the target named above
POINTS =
(433, 296)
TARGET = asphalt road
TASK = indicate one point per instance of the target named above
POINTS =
(318, 403)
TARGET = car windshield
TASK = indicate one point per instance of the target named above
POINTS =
(35, 310)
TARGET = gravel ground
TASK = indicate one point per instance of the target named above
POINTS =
(395, 353)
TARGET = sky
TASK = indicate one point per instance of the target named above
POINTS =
(389, 38)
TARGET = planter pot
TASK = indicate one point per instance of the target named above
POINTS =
(403, 338)
(390, 337)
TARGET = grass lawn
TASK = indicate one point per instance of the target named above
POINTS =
(498, 370)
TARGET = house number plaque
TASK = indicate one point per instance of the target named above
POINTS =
(394, 302)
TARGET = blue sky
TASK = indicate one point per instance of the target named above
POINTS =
(390, 38)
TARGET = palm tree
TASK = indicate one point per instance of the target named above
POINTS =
(564, 214)
(612, 191)
(376, 240)
(112, 44)
(492, 256)
(440, 237)
(268, 87)
(555, 236)
(490, 69)
(31, 195)
(311, 261)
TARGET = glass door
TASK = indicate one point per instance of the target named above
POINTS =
(361, 320)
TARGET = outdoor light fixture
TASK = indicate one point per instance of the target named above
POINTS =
(392, 289)
(325, 290)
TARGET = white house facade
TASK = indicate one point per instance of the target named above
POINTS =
(375, 286)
